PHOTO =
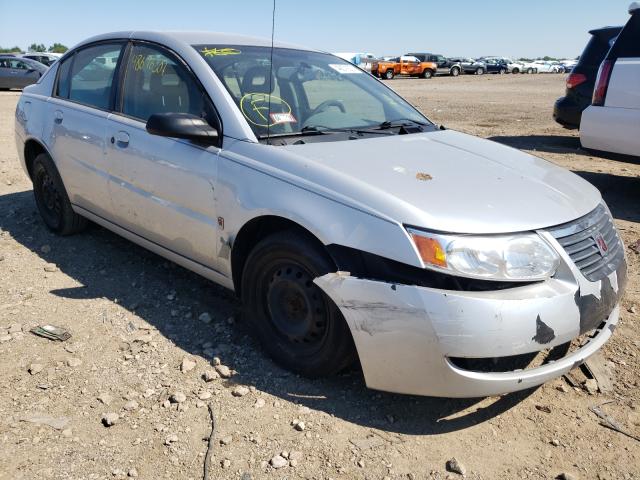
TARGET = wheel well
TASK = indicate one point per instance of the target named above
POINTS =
(31, 150)
(252, 233)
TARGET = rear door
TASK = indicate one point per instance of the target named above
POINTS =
(162, 188)
(76, 122)
(624, 85)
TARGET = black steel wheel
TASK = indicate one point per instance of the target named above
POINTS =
(295, 321)
(52, 199)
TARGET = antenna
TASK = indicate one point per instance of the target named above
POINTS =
(273, 27)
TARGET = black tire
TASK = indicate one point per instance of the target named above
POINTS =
(297, 324)
(502, 71)
(52, 199)
(529, 71)
(427, 73)
(455, 71)
(389, 74)
(515, 71)
(480, 71)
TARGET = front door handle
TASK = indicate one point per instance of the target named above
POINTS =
(121, 138)
(58, 116)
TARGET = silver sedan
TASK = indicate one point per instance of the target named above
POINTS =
(350, 225)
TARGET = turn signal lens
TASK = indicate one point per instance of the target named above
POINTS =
(430, 250)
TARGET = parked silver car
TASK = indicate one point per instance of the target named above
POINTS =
(348, 223)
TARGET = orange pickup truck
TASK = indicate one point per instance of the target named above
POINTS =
(405, 65)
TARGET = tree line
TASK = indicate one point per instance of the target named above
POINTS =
(37, 47)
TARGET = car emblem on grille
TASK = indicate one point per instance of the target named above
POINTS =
(601, 243)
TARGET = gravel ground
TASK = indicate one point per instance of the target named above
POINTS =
(147, 336)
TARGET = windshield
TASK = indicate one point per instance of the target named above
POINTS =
(306, 91)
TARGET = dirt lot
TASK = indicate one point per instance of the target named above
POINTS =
(134, 318)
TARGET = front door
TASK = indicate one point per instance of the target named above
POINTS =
(162, 189)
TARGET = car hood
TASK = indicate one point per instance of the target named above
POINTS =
(447, 181)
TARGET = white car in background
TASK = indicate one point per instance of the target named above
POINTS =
(46, 58)
(612, 122)
(543, 66)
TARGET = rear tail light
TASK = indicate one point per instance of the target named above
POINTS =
(602, 83)
(575, 79)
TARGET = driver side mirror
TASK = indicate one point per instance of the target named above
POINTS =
(183, 125)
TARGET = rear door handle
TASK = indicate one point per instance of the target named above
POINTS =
(122, 139)
(58, 116)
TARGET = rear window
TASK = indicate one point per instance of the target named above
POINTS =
(628, 43)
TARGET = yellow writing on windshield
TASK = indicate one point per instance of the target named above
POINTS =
(156, 66)
(213, 52)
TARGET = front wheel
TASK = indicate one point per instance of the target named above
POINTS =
(52, 199)
(389, 74)
(427, 74)
(529, 71)
(515, 71)
(455, 71)
(480, 71)
(295, 321)
(502, 71)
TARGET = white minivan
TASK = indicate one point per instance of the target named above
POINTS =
(612, 122)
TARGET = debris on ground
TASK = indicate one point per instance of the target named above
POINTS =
(596, 365)
(51, 332)
(609, 422)
(110, 419)
(207, 457)
(58, 423)
(455, 466)
(278, 461)
(591, 386)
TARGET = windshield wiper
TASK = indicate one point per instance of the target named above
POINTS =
(403, 122)
(308, 130)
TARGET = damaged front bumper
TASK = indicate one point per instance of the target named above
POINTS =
(408, 337)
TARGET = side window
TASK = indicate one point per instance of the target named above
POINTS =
(19, 65)
(155, 82)
(62, 87)
(628, 43)
(92, 75)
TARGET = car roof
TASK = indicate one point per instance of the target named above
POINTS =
(609, 31)
(192, 38)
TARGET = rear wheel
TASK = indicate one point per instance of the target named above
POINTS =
(389, 74)
(529, 71)
(52, 199)
(455, 71)
(296, 322)
(480, 71)
(427, 73)
(502, 71)
(515, 70)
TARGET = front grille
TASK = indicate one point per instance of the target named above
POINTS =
(593, 243)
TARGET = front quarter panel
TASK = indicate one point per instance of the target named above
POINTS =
(250, 186)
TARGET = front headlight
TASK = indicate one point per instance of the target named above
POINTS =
(521, 257)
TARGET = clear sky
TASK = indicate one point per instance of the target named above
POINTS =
(515, 28)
